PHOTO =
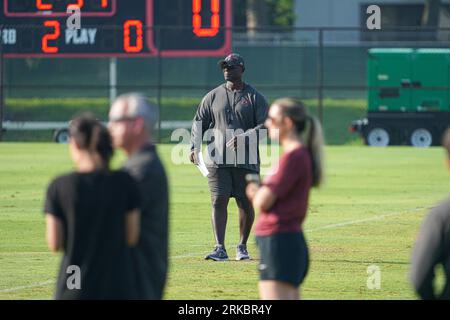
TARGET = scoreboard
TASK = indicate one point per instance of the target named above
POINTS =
(115, 28)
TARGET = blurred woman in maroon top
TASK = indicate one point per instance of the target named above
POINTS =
(282, 199)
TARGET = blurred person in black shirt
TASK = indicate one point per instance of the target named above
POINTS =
(92, 215)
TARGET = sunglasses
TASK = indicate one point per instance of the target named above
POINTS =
(276, 121)
(272, 119)
(230, 67)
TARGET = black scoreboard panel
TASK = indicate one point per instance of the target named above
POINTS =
(115, 28)
(25, 8)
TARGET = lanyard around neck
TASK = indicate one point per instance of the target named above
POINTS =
(230, 110)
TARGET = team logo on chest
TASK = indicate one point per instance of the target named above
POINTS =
(244, 101)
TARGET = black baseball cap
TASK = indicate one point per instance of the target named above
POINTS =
(233, 59)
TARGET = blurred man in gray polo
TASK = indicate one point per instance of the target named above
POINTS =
(131, 122)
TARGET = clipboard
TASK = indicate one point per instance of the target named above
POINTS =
(201, 164)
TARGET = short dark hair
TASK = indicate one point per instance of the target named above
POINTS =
(91, 135)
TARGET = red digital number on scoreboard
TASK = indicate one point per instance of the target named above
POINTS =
(137, 47)
(54, 35)
(199, 30)
(58, 8)
(79, 3)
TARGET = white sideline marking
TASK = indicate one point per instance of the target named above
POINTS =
(332, 226)
(38, 284)
(342, 224)
(188, 255)
(55, 125)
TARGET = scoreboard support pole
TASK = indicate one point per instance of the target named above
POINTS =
(112, 80)
(159, 89)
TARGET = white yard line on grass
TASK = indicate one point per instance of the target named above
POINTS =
(380, 217)
(187, 255)
(33, 285)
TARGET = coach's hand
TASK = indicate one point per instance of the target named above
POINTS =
(193, 158)
(251, 190)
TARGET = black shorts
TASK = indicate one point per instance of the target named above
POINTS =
(284, 257)
(228, 182)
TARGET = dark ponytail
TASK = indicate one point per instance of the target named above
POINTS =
(309, 129)
(91, 135)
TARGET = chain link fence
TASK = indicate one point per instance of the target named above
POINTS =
(325, 67)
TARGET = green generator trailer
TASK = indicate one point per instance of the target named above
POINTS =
(408, 97)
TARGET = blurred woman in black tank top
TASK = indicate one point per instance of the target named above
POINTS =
(92, 216)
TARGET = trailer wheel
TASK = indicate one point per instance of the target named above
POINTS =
(61, 136)
(421, 138)
(378, 137)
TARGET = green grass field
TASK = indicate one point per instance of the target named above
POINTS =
(368, 213)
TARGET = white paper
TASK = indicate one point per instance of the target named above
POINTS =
(201, 164)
